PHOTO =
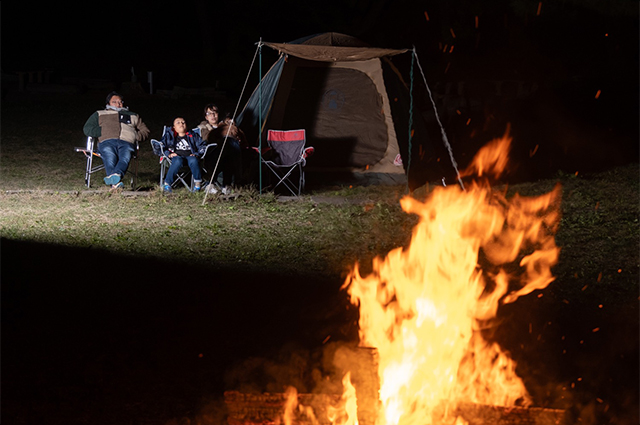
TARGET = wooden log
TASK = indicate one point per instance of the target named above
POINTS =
(268, 408)
(362, 363)
(477, 414)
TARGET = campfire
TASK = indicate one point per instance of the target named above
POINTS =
(424, 310)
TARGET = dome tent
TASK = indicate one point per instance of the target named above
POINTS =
(346, 95)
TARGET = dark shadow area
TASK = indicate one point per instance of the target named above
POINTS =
(331, 153)
(551, 132)
(91, 337)
(340, 109)
(579, 357)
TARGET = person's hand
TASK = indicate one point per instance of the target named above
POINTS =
(173, 155)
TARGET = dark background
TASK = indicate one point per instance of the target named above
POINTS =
(197, 41)
(562, 52)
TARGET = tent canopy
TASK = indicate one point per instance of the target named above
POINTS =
(334, 86)
(332, 47)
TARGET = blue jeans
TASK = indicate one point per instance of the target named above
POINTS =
(116, 155)
(177, 162)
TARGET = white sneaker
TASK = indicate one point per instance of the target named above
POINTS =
(212, 189)
(226, 190)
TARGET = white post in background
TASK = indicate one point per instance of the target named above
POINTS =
(150, 79)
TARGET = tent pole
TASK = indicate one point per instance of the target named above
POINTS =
(204, 200)
(445, 139)
(260, 114)
(413, 58)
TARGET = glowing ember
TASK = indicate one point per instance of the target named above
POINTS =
(422, 307)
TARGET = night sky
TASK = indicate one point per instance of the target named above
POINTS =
(195, 42)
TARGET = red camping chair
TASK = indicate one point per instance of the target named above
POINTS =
(286, 154)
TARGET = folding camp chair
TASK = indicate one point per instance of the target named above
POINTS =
(165, 162)
(287, 156)
(90, 151)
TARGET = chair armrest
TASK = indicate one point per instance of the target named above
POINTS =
(86, 152)
(157, 147)
(308, 152)
(209, 146)
(264, 150)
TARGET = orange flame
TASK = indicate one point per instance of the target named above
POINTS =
(492, 159)
(293, 410)
(422, 305)
(347, 412)
(290, 405)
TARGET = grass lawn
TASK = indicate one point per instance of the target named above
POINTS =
(137, 307)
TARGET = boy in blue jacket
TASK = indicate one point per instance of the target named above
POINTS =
(180, 146)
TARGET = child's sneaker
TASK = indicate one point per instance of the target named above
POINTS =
(166, 188)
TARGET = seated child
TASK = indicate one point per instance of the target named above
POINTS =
(180, 146)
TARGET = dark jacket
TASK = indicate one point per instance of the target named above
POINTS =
(197, 145)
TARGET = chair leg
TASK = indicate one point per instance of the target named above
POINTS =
(87, 171)
(285, 180)
(301, 179)
(181, 178)
(162, 172)
(134, 177)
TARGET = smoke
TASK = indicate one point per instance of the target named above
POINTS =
(317, 371)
